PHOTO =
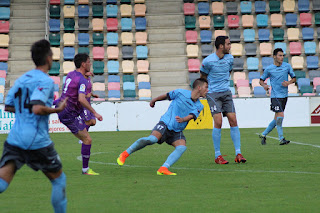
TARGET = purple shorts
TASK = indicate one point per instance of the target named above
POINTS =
(73, 122)
(86, 115)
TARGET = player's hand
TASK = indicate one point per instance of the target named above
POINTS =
(62, 105)
(98, 116)
(152, 103)
(95, 96)
(265, 87)
(285, 83)
(179, 119)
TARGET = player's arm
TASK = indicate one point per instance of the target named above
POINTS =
(287, 83)
(83, 101)
(159, 98)
(185, 119)
(39, 107)
(264, 85)
(9, 108)
(203, 75)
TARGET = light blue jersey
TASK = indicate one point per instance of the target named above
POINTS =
(277, 76)
(218, 71)
(30, 131)
(182, 105)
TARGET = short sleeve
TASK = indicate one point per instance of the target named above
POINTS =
(204, 67)
(231, 63)
(265, 75)
(10, 96)
(83, 84)
(41, 93)
(290, 71)
(173, 94)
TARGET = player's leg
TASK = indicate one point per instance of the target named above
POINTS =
(271, 125)
(6, 175)
(279, 109)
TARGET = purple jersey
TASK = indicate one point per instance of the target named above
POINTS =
(74, 85)
(89, 88)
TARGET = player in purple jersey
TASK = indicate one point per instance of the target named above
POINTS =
(75, 89)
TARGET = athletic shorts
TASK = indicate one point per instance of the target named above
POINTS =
(45, 159)
(86, 115)
(278, 104)
(220, 102)
(75, 124)
(168, 136)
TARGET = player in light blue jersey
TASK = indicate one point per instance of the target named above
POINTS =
(185, 106)
(29, 142)
(278, 73)
(217, 68)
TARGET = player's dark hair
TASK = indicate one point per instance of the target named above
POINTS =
(199, 82)
(275, 51)
(80, 58)
(220, 40)
(40, 50)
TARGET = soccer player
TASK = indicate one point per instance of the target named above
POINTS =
(278, 74)
(217, 68)
(29, 142)
(75, 89)
(185, 106)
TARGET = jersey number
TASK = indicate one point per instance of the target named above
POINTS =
(26, 103)
(68, 81)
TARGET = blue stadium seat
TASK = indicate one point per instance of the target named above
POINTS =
(246, 7)
(266, 61)
(252, 63)
(249, 35)
(310, 48)
(281, 45)
(144, 85)
(235, 35)
(264, 34)
(2, 81)
(83, 11)
(253, 75)
(260, 6)
(4, 13)
(1, 98)
(54, 25)
(83, 39)
(303, 6)
(68, 53)
(307, 33)
(5, 3)
(233, 90)
(303, 82)
(203, 8)
(71, 2)
(259, 92)
(141, 23)
(114, 94)
(113, 67)
(127, 52)
(262, 20)
(4, 66)
(129, 86)
(101, 94)
(112, 38)
(99, 79)
(250, 49)
(113, 78)
(205, 36)
(111, 1)
(206, 50)
(142, 52)
(83, 24)
(312, 62)
(126, 24)
(237, 64)
(112, 11)
(291, 19)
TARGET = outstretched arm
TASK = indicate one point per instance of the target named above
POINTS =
(39, 109)
(159, 98)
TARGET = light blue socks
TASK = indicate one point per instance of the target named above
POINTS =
(272, 125)
(3, 185)
(58, 196)
(279, 127)
(235, 136)
(174, 156)
(216, 137)
(142, 142)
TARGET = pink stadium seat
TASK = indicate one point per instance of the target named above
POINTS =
(295, 48)
(97, 24)
(305, 19)
(217, 8)
(141, 38)
(140, 10)
(143, 66)
(112, 24)
(219, 33)
(247, 21)
(204, 22)
(238, 75)
(3, 74)
(255, 83)
(316, 82)
(265, 49)
(96, 86)
(193, 65)
(4, 54)
(114, 86)
(191, 36)
(188, 8)
(309, 94)
(112, 52)
(83, 1)
(56, 79)
(233, 21)
(98, 53)
(276, 20)
(242, 83)
(244, 92)
(55, 2)
(4, 26)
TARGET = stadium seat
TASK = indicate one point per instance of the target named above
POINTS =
(2, 81)
(5, 3)
(236, 49)
(125, 10)
(249, 35)
(55, 68)
(233, 91)
(112, 24)
(188, 9)
(69, 39)
(97, 25)
(264, 35)
(274, 6)
(244, 92)
(4, 26)
(253, 75)
(144, 85)
(203, 8)
(238, 75)
(4, 13)
(68, 24)
(129, 86)
(114, 78)
(98, 86)
(54, 25)
(232, 7)
(83, 2)
(127, 66)
(295, 48)
(233, 21)
(83, 24)
(71, 2)
(83, 11)
(193, 76)
(193, 65)
(293, 34)
(140, 10)
(68, 53)
(129, 94)
(252, 64)
(141, 23)
(305, 19)
(297, 62)
(139, 1)
(260, 6)
(54, 2)
(142, 52)
(289, 6)
(126, 24)
(97, 11)
(54, 11)
(292, 90)
(205, 36)
(191, 36)
(112, 11)
(218, 21)
(54, 39)
(143, 78)
(114, 95)
(237, 64)
(315, 5)
(299, 74)
(246, 7)
(128, 78)
(144, 94)
(250, 49)
(68, 66)
(141, 38)
(278, 34)
(316, 82)
(276, 20)
(281, 45)
(307, 33)
(68, 11)
(242, 83)
(98, 67)
(3, 74)
(291, 19)
(98, 53)
(112, 38)
(83, 39)
(255, 82)
(113, 52)
(312, 62)
(309, 48)
(98, 78)
(217, 8)
(265, 49)
(126, 38)
(303, 82)
(4, 66)
(259, 92)
(113, 86)
(113, 67)
(247, 21)
(142, 66)
(56, 53)
(262, 20)
(125, 1)
(219, 33)
(303, 5)
(111, 1)
(266, 61)
(204, 22)
(206, 50)
(235, 35)
(127, 52)
(97, 2)
(313, 74)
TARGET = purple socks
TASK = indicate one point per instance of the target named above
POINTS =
(85, 151)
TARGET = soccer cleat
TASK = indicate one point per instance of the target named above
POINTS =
(90, 172)
(284, 142)
(263, 139)
(240, 159)
(122, 158)
(164, 171)
(220, 160)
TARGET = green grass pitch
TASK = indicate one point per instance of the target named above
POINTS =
(274, 179)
